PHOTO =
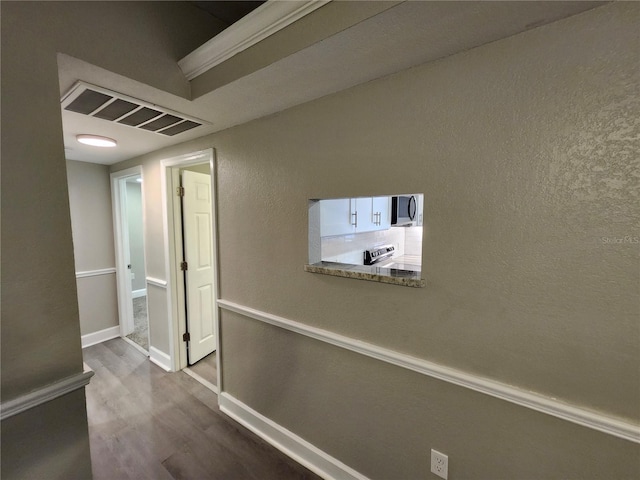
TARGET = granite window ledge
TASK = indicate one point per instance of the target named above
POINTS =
(372, 273)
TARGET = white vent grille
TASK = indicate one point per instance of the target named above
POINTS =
(118, 108)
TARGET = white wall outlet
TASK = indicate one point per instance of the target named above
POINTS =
(439, 464)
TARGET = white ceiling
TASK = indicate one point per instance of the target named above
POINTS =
(406, 35)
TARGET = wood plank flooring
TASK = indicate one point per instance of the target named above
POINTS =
(145, 423)
(207, 368)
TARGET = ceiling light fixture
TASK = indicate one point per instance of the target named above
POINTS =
(96, 140)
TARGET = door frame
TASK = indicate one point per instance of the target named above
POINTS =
(121, 244)
(172, 214)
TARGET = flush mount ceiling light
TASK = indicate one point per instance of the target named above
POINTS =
(96, 140)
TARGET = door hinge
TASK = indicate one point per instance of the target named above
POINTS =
(180, 191)
(186, 337)
(184, 266)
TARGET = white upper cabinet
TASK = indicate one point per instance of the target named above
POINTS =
(381, 212)
(336, 218)
(364, 214)
(354, 215)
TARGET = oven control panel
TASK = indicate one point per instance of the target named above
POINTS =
(377, 254)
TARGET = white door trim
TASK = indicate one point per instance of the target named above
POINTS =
(173, 241)
(120, 233)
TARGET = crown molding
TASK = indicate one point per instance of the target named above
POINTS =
(271, 17)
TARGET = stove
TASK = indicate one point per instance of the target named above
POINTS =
(378, 254)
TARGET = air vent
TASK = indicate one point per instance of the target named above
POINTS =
(115, 107)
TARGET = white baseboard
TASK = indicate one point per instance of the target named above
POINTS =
(199, 378)
(100, 336)
(160, 358)
(139, 293)
(289, 443)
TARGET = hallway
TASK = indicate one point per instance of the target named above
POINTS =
(145, 423)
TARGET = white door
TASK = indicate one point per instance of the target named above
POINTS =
(198, 253)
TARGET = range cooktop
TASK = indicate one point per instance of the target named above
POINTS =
(378, 254)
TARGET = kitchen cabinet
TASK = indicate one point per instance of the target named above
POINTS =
(381, 212)
(343, 216)
(419, 209)
(336, 218)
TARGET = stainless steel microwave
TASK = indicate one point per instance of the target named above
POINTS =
(403, 210)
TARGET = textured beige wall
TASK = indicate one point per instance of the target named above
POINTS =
(526, 150)
(40, 326)
(40, 331)
(383, 421)
(91, 215)
(202, 168)
(57, 444)
(92, 231)
(97, 303)
(154, 229)
(158, 318)
(135, 224)
(40, 339)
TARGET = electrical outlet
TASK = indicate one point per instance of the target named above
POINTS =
(439, 464)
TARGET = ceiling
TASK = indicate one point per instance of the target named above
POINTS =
(403, 36)
(228, 12)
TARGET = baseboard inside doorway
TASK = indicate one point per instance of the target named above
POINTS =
(206, 383)
(136, 346)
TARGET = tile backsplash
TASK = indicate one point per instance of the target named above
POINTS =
(350, 248)
(413, 241)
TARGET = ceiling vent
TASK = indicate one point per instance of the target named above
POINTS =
(117, 108)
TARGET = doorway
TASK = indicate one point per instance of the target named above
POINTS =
(192, 265)
(128, 208)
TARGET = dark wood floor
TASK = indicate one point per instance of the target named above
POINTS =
(145, 423)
